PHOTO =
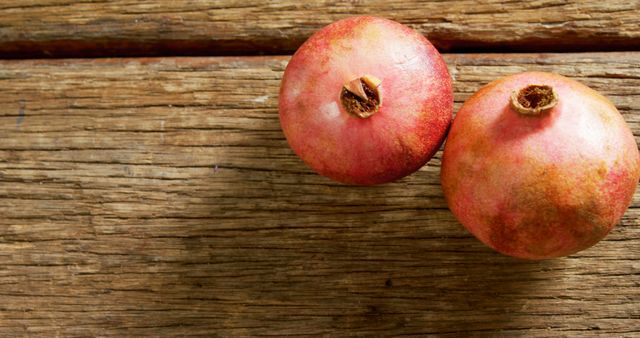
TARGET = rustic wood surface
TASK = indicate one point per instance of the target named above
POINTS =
(158, 197)
(205, 27)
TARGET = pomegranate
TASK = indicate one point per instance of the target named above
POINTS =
(538, 166)
(366, 101)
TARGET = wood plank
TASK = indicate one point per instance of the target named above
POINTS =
(158, 197)
(59, 28)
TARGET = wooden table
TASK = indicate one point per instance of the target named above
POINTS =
(152, 193)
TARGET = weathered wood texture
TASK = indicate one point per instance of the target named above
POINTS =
(158, 197)
(204, 27)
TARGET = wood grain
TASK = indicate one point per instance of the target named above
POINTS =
(158, 197)
(71, 28)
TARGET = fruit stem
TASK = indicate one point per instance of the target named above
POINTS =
(361, 97)
(534, 99)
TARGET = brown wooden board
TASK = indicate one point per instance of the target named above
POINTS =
(54, 28)
(158, 197)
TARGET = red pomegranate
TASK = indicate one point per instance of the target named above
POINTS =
(539, 166)
(365, 101)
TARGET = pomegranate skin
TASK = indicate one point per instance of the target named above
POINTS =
(539, 186)
(411, 121)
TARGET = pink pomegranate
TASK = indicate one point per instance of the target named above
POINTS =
(539, 166)
(366, 101)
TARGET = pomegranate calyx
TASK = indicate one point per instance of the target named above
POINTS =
(361, 96)
(534, 99)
